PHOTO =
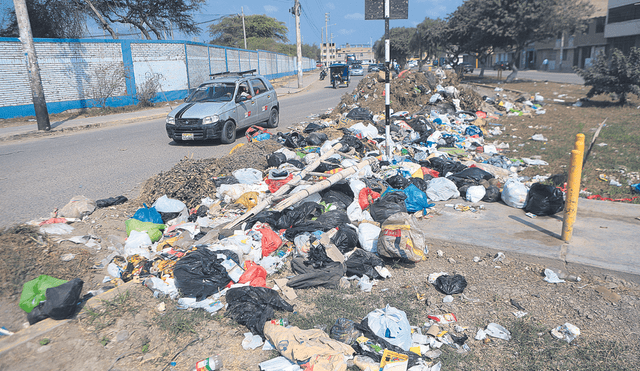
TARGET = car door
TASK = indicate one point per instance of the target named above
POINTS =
(247, 109)
(263, 99)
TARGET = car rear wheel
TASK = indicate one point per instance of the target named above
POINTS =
(274, 118)
(228, 134)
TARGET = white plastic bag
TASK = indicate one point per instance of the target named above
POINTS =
(168, 205)
(442, 189)
(137, 243)
(368, 130)
(56, 228)
(368, 236)
(514, 193)
(497, 331)
(248, 175)
(395, 322)
(475, 193)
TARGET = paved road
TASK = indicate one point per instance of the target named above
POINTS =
(38, 175)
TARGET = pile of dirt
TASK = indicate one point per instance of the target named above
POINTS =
(192, 180)
(410, 92)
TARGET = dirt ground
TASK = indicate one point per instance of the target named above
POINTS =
(129, 332)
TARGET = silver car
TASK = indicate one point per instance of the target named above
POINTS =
(218, 108)
(356, 70)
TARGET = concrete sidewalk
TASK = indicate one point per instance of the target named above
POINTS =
(284, 86)
(605, 234)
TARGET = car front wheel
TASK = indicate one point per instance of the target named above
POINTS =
(228, 134)
(274, 119)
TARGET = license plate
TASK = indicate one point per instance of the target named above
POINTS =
(187, 136)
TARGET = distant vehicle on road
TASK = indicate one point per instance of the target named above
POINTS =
(222, 105)
(466, 67)
(356, 70)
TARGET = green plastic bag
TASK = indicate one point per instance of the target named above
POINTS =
(153, 230)
(34, 291)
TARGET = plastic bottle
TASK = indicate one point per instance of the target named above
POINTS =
(210, 364)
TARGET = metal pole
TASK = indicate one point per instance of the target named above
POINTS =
(387, 88)
(296, 9)
(326, 38)
(573, 189)
(37, 92)
(244, 30)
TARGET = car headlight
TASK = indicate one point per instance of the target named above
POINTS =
(210, 119)
(170, 120)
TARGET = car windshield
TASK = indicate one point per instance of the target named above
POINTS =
(357, 66)
(216, 92)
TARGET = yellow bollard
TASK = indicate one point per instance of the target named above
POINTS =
(573, 188)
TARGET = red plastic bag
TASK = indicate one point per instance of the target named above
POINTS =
(433, 173)
(275, 184)
(270, 241)
(366, 197)
(255, 274)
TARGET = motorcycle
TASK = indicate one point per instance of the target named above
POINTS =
(323, 74)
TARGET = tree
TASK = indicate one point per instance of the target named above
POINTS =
(259, 28)
(428, 39)
(49, 19)
(621, 76)
(146, 15)
(466, 30)
(399, 46)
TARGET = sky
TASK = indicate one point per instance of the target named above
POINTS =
(346, 18)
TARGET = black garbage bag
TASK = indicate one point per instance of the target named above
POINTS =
(298, 215)
(345, 239)
(254, 306)
(362, 262)
(344, 330)
(460, 340)
(544, 200)
(316, 139)
(450, 285)
(61, 302)
(225, 180)
(111, 201)
(332, 219)
(421, 183)
(266, 216)
(294, 140)
(337, 199)
(350, 141)
(342, 187)
(312, 127)
(443, 166)
(296, 163)
(200, 274)
(363, 326)
(360, 113)
(307, 226)
(317, 257)
(398, 182)
(201, 212)
(307, 276)
(328, 164)
(276, 159)
(470, 176)
(388, 205)
(492, 194)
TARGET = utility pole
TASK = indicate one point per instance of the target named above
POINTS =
(326, 38)
(244, 30)
(296, 10)
(37, 92)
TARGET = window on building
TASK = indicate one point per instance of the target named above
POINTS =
(600, 24)
(624, 13)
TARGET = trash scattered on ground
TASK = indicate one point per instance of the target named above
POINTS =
(566, 332)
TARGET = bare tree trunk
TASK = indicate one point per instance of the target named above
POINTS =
(105, 25)
(153, 28)
(514, 67)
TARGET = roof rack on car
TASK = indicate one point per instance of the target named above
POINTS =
(236, 73)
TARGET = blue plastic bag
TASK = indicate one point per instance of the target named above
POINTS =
(473, 130)
(416, 199)
(148, 214)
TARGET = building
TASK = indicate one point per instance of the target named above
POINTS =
(332, 54)
(622, 29)
(363, 53)
(578, 49)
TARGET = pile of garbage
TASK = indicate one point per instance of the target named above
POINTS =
(326, 201)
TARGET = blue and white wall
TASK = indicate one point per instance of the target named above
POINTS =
(69, 67)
